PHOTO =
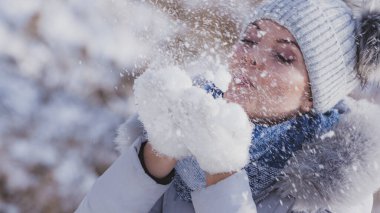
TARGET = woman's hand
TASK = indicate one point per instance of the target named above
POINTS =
(156, 94)
(158, 165)
(183, 120)
(217, 133)
(214, 179)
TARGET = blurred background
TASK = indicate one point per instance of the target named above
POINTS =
(66, 75)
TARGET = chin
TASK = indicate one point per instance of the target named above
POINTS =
(269, 118)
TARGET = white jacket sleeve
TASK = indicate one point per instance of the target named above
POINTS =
(232, 194)
(124, 187)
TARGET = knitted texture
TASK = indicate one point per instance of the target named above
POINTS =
(271, 147)
(325, 32)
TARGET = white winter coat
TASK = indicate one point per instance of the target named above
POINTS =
(339, 172)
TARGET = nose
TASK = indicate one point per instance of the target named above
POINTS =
(255, 58)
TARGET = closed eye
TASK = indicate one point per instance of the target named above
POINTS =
(283, 59)
(249, 42)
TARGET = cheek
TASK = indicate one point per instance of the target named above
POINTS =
(280, 87)
(290, 87)
(239, 58)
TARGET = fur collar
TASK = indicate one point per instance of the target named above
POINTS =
(333, 171)
(338, 169)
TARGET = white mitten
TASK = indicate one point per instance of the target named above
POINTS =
(217, 133)
(156, 93)
(183, 120)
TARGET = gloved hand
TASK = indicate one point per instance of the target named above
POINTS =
(156, 94)
(217, 133)
(183, 120)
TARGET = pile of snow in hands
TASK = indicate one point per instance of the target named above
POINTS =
(182, 120)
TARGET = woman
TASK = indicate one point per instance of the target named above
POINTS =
(315, 149)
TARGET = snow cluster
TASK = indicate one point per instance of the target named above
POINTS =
(182, 120)
(211, 69)
(156, 95)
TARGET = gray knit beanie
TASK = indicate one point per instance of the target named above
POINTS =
(326, 31)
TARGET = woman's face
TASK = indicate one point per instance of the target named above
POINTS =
(270, 80)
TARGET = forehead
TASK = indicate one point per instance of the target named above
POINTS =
(271, 28)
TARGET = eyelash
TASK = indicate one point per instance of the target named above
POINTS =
(276, 55)
(249, 42)
(283, 59)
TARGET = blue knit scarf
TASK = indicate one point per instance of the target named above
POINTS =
(271, 147)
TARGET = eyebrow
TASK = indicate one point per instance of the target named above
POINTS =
(281, 40)
(286, 41)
